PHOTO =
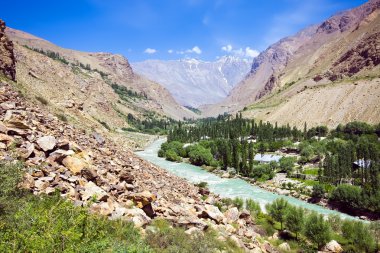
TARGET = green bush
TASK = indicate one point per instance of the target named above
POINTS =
(202, 184)
(163, 238)
(31, 223)
(318, 191)
(238, 202)
(253, 207)
(172, 156)
(347, 194)
(200, 156)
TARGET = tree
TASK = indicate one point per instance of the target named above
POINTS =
(317, 229)
(287, 164)
(318, 191)
(172, 156)
(278, 210)
(199, 155)
(294, 219)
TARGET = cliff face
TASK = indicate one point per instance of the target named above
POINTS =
(7, 58)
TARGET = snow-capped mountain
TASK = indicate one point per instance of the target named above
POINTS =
(194, 82)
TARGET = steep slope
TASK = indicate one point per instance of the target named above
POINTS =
(194, 82)
(89, 75)
(329, 58)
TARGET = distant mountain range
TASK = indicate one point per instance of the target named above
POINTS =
(194, 82)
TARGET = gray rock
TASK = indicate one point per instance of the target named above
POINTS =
(47, 143)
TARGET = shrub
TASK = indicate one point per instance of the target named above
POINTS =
(171, 155)
(200, 156)
(164, 238)
(348, 194)
(318, 191)
(253, 207)
(238, 202)
(62, 117)
(42, 100)
(31, 223)
(202, 184)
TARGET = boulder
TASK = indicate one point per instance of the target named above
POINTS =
(74, 164)
(232, 214)
(193, 230)
(142, 199)
(8, 140)
(91, 190)
(29, 149)
(212, 212)
(137, 216)
(332, 246)
(284, 246)
(127, 177)
(3, 128)
(27, 182)
(8, 105)
(47, 143)
(89, 174)
(118, 213)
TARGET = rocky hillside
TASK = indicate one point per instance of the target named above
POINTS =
(89, 87)
(89, 169)
(194, 82)
(7, 59)
(325, 74)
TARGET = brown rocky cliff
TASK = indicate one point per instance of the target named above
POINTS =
(7, 58)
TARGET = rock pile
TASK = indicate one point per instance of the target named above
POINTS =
(91, 171)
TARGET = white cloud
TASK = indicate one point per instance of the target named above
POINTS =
(240, 52)
(170, 51)
(227, 48)
(195, 50)
(150, 51)
(251, 52)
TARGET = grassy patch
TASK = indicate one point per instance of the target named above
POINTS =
(42, 100)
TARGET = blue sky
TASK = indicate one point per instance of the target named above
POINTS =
(168, 29)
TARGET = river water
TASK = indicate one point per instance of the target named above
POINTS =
(225, 187)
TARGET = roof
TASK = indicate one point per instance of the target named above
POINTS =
(267, 158)
(363, 163)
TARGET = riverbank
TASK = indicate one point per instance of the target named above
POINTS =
(227, 187)
(277, 189)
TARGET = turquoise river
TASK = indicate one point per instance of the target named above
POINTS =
(225, 187)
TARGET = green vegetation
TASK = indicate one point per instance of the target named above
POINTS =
(166, 239)
(317, 229)
(348, 155)
(50, 54)
(32, 223)
(127, 94)
(277, 210)
(50, 224)
(195, 110)
(42, 100)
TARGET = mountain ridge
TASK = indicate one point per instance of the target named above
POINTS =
(281, 72)
(195, 82)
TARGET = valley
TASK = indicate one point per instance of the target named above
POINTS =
(186, 145)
